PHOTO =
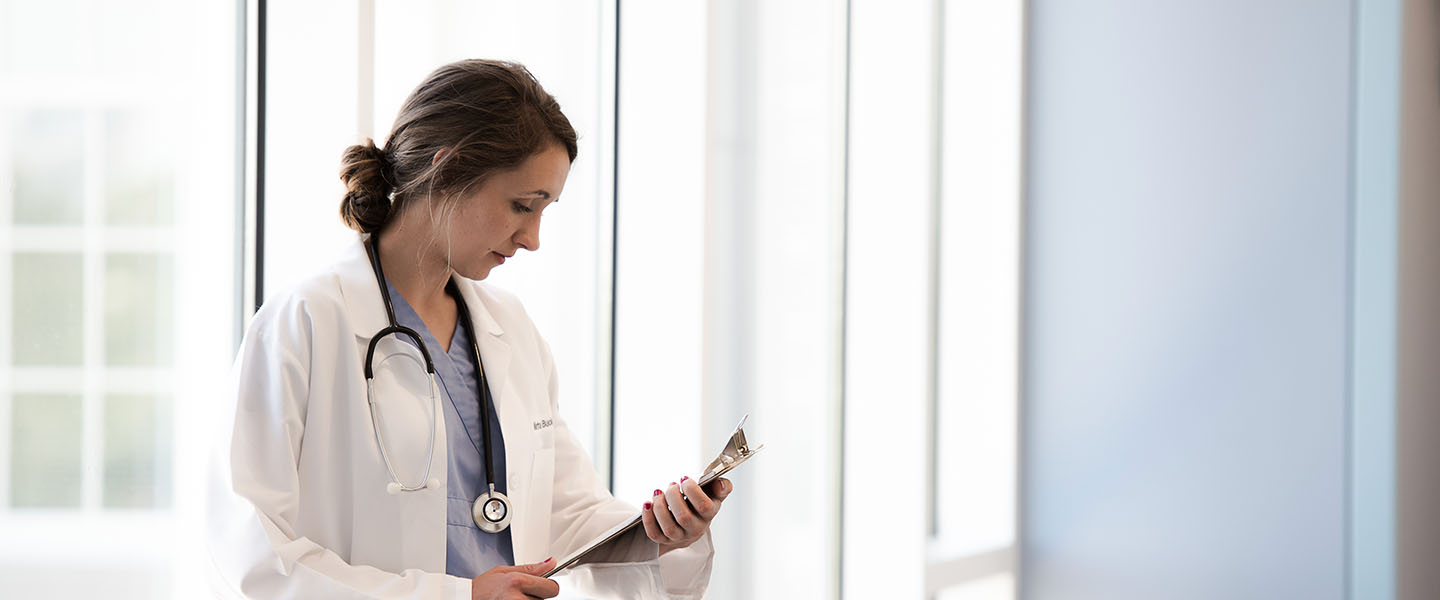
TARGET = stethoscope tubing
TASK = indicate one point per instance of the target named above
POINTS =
(482, 519)
(425, 480)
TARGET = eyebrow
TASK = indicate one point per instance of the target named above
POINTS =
(541, 193)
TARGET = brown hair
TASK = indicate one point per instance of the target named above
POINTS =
(480, 116)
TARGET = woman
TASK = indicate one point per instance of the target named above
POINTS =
(346, 469)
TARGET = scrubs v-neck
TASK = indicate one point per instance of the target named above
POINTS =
(468, 550)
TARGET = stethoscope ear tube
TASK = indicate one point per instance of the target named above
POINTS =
(395, 486)
(375, 340)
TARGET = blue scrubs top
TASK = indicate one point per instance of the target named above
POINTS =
(468, 550)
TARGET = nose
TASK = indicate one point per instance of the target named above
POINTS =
(528, 237)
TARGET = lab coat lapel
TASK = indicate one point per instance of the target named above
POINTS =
(514, 414)
(419, 535)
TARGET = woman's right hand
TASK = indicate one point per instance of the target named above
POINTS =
(519, 582)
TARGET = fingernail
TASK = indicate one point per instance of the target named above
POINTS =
(672, 483)
(647, 506)
(684, 478)
(548, 559)
(657, 493)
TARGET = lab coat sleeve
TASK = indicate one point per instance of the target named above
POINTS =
(254, 485)
(583, 508)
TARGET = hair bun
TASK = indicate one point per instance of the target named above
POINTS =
(366, 171)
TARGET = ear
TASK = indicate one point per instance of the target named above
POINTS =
(438, 155)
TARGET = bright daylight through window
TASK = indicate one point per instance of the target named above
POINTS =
(117, 194)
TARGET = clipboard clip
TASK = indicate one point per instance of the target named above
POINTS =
(736, 451)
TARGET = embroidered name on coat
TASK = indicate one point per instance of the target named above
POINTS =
(543, 424)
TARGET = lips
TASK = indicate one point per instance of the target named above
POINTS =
(499, 258)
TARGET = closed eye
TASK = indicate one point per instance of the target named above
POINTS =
(521, 208)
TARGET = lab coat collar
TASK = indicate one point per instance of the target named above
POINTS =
(366, 310)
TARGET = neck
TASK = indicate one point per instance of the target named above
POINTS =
(415, 265)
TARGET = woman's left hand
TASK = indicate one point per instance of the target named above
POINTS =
(681, 514)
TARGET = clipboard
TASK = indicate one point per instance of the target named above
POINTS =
(736, 452)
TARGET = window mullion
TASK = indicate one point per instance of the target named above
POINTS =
(92, 313)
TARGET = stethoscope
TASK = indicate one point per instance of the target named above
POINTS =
(491, 510)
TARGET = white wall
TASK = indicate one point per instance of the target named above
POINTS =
(1184, 416)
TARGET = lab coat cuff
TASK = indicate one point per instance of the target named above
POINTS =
(459, 588)
(685, 573)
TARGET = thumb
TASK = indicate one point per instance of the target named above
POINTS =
(721, 488)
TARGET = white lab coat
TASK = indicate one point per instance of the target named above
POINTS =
(297, 504)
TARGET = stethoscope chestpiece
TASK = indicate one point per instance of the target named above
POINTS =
(491, 511)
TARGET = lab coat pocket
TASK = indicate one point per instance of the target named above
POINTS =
(539, 494)
(403, 407)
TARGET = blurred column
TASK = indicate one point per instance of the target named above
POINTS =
(1418, 381)
(1187, 324)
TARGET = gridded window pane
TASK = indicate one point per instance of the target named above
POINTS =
(137, 452)
(47, 309)
(138, 306)
(139, 178)
(45, 451)
(47, 148)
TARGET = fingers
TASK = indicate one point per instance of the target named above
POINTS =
(682, 512)
(703, 504)
(652, 527)
(690, 523)
(532, 585)
(537, 569)
(665, 518)
(527, 579)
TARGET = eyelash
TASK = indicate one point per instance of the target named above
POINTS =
(521, 208)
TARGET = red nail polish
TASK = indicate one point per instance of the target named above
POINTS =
(682, 479)
(657, 493)
(647, 506)
(672, 483)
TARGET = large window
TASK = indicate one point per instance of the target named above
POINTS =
(807, 211)
(117, 193)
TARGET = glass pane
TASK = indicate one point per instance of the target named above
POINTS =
(139, 176)
(137, 451)
(47, 309)
(45, 456)
(47, 151)
(27, 36)
(167, 45)
(139, 330)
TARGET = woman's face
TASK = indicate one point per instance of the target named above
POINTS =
(503, 216)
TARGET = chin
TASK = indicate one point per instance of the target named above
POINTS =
(476, 274)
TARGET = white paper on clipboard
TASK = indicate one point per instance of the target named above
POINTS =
(736, 451)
